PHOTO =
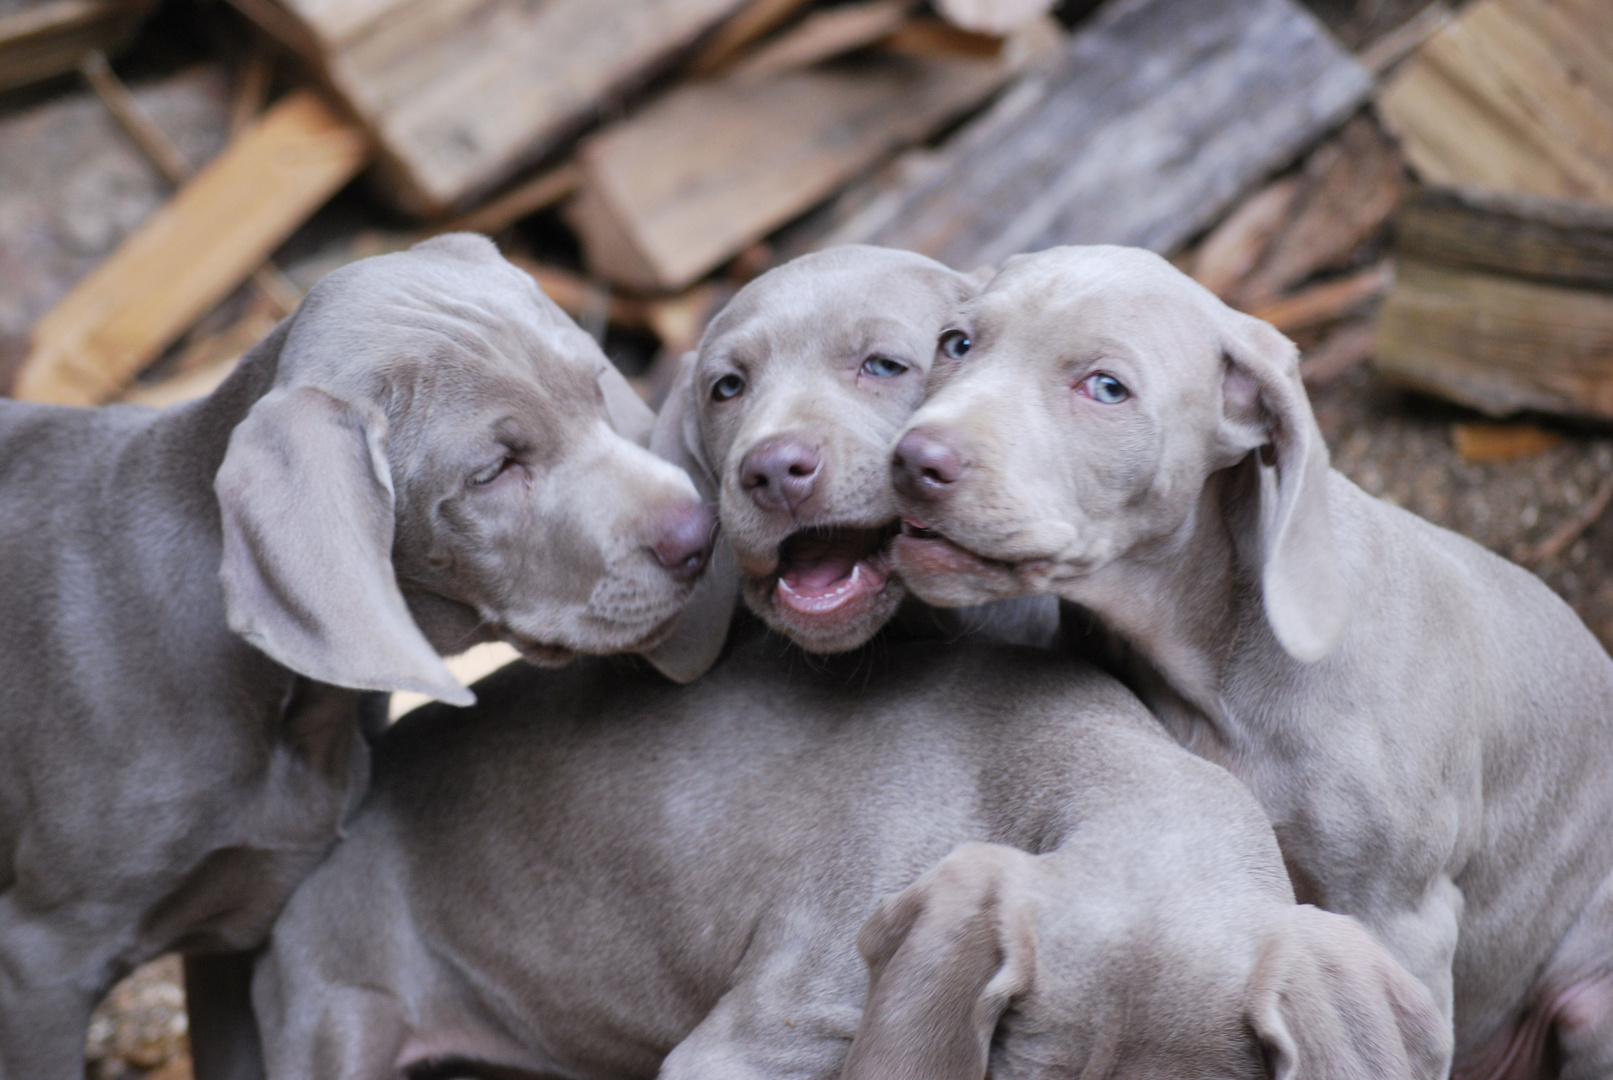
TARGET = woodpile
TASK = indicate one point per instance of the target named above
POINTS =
(687, 144)
(1503, 300)
(1503, 303)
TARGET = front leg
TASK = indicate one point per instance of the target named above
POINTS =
(48, 988)
(1423, 940)
(792, 1016)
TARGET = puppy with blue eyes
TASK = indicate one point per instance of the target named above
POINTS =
(785, 417)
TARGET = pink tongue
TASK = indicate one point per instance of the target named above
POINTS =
(820, 576)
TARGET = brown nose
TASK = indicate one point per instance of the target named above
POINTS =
(924, 466)
(683, 539)
(779, 474)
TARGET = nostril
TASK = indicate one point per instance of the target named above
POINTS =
(923, 464)
(684, 539)
(779, 473)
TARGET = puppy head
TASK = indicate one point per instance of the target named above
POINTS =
(439, 461)
(787, 413)
(1081, 404)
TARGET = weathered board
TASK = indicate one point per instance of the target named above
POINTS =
(1515, 95)
(193, 252)
(1526, 236)
(1499, 344)
(38, 40)
(459, 94)
(676, 190)
(1159, 115)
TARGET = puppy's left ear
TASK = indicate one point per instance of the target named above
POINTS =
(306, 501)
(1264, 406)
(698, 636)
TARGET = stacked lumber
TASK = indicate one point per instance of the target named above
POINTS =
(680, 188)
(38, 40)
(1157, 117)
(1504, 300)
(1515, 95)
(190, 254)
(1503, 303)
(459, 94)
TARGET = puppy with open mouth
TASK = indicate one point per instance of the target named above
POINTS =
(785, 417)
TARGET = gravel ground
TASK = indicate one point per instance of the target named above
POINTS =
(140, 1029)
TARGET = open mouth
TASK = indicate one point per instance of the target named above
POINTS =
(824, 570)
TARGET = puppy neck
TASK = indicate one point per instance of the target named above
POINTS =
(1186, 606)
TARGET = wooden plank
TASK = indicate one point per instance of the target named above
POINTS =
(1352, 184)
(823, 35)
(1158, 116)
(1527, 236)
(1326, 302)
(193, 252)
(1481, 443)
(1498, 344)
(44, 39)
(1515, 95)
(673, 192)
(750, 24)
(460, 95)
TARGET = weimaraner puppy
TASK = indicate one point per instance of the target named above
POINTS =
(784, 416)
(1428, 726)
(597, 873)
(421, 457)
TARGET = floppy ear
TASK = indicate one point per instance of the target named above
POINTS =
(1327, 1001)
(632, 419)
(306, 501)
(698, 635)
(945, 958)
(1264, 404)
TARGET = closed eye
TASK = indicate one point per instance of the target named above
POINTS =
(492, 472)
(882, 367)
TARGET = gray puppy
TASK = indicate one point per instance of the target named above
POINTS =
(784, 416)
(597, 873)
(421, 457)
(1429, 727)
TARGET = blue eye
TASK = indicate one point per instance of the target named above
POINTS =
(883, 367)
(728, 386)
(955, 344)
(1105, 388)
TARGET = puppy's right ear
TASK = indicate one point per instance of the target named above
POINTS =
(306, 501)
(946, 957)
(1327, 1000)
(701, 630)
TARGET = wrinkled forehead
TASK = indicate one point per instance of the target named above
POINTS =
(421, 317)
(839, 301)
(1107, 295)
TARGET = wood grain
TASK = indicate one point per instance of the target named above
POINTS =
(1527, 236)
(1158, 116)
(459, 95)
(673, 192)
(1515, 95)
(50, 38)
(190, 254)
(1498, 344)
